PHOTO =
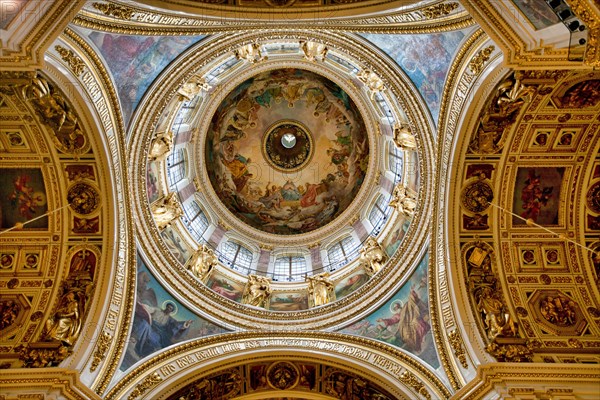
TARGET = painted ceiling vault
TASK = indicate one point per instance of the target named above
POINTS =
(299, 199)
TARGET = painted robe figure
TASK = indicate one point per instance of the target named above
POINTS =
(157, 329)
(407, 323)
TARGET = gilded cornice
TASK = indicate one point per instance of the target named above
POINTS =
(579, 378)
(393, 368)
(119, 310)
(516, 51)
(154, 21)
(28, 52)
(589, 13)
(442, 315)
(59, 381)
(217, 307)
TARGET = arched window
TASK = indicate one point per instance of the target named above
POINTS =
(175, 167)
(342, 252)
(289, 268)
(236, 256)
(377, 215)
(395, 161)
(195, 220)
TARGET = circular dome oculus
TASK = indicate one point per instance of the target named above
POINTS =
(288, 146)
(287, 151)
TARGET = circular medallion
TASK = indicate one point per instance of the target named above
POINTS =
(287, 146)
(83, 198)
(282, 375)
(477, 196)
(593, 197)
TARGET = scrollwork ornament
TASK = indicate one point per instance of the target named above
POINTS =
(457, 346)
(482, 56)
(101, 348)
(149, 382)
(75, 63)
(115, 10)
(439, 10)
(411, 380)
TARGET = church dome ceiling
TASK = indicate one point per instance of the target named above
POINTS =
(278, 165)
(287, 151)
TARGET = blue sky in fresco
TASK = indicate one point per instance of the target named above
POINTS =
(136, 61)
(425, 58)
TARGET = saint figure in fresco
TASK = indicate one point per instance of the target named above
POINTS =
(155, 328)
(408, 324)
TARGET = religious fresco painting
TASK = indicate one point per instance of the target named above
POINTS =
(159, 320)
(392, 241)
(537, 195)
(226, 287)
(350, 284)
(152, 187)
(539, 13)
(425, 58)
(404, 320)
(135, 61)
(581, 95)
(275, 173)
(288, 301)
(176, 245)
(22, 198)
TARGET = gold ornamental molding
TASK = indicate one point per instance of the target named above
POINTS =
(95, 78)
(517, 52)
(589, 13)
(447, 331)
(535, 380)
(32, 30)
(60, 382)
(393, 370)
(204, 18)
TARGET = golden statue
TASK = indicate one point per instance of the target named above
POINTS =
(166, 210)
(161, 146)
(202, 262)
(373, 82)
(191, 88)
(320, 289)
(403, 201)
(258, 291)
(250, 52)
(372, 256)
(404, 138)
(313, 51)
(65, 324)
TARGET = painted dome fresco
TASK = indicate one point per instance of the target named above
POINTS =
(287, 151)
(283, 176)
